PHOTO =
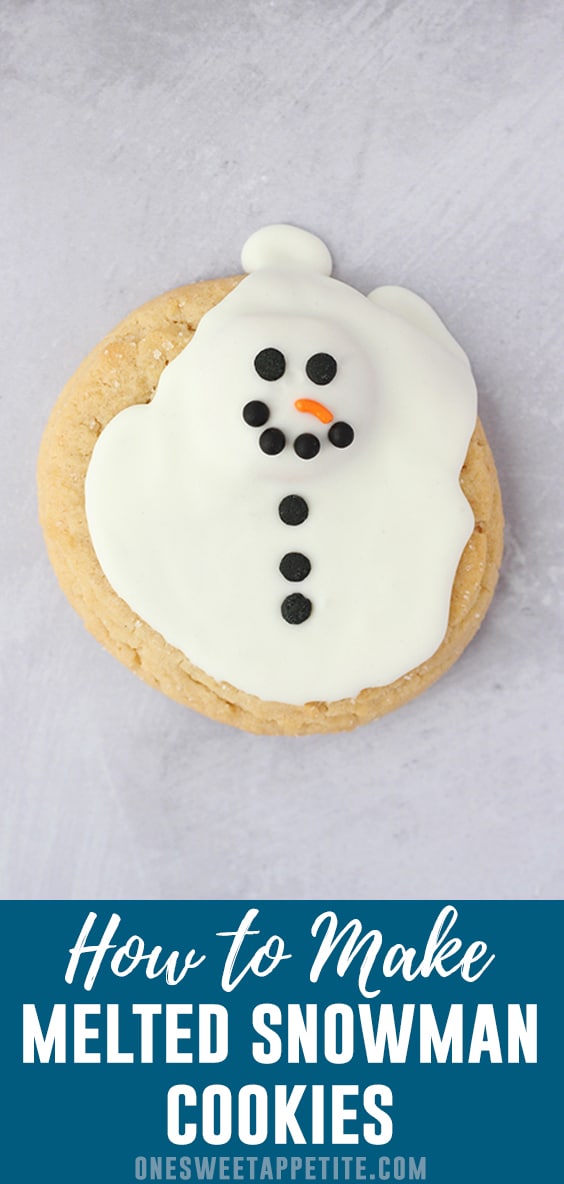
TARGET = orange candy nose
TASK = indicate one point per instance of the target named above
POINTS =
(314, 408)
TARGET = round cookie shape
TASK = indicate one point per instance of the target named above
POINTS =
(305, 564)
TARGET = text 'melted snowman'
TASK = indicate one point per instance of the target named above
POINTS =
(287, 510)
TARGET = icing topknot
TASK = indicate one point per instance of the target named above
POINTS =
(282, 246)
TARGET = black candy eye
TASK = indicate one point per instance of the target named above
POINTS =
(255, 413)
(270, 364)
(321, 369)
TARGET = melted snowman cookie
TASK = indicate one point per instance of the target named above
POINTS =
(277, 516)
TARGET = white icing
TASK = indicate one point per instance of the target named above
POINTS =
(182, 505)
(286, 246)
(412, 308)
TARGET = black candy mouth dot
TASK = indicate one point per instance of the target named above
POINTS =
(306, 446)
(256, 413)
(341, 434)
(272, 441)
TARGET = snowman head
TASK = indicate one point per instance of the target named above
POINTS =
(294, 374)
(279, 378)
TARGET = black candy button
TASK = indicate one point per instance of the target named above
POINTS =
(321, 369)
(293, 509)
(341, 434)
(255, 413)
(306, 446)
(270, 364)
(296, 608)
(295, 566)
(272, 441)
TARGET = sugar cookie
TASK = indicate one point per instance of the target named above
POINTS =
(271, 496)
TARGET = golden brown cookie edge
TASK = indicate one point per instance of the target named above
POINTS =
(124, 369)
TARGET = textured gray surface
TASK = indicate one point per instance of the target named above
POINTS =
(423, 142)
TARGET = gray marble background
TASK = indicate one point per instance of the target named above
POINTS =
(423, 141)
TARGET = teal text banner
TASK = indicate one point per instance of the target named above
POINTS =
(287, 1041)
